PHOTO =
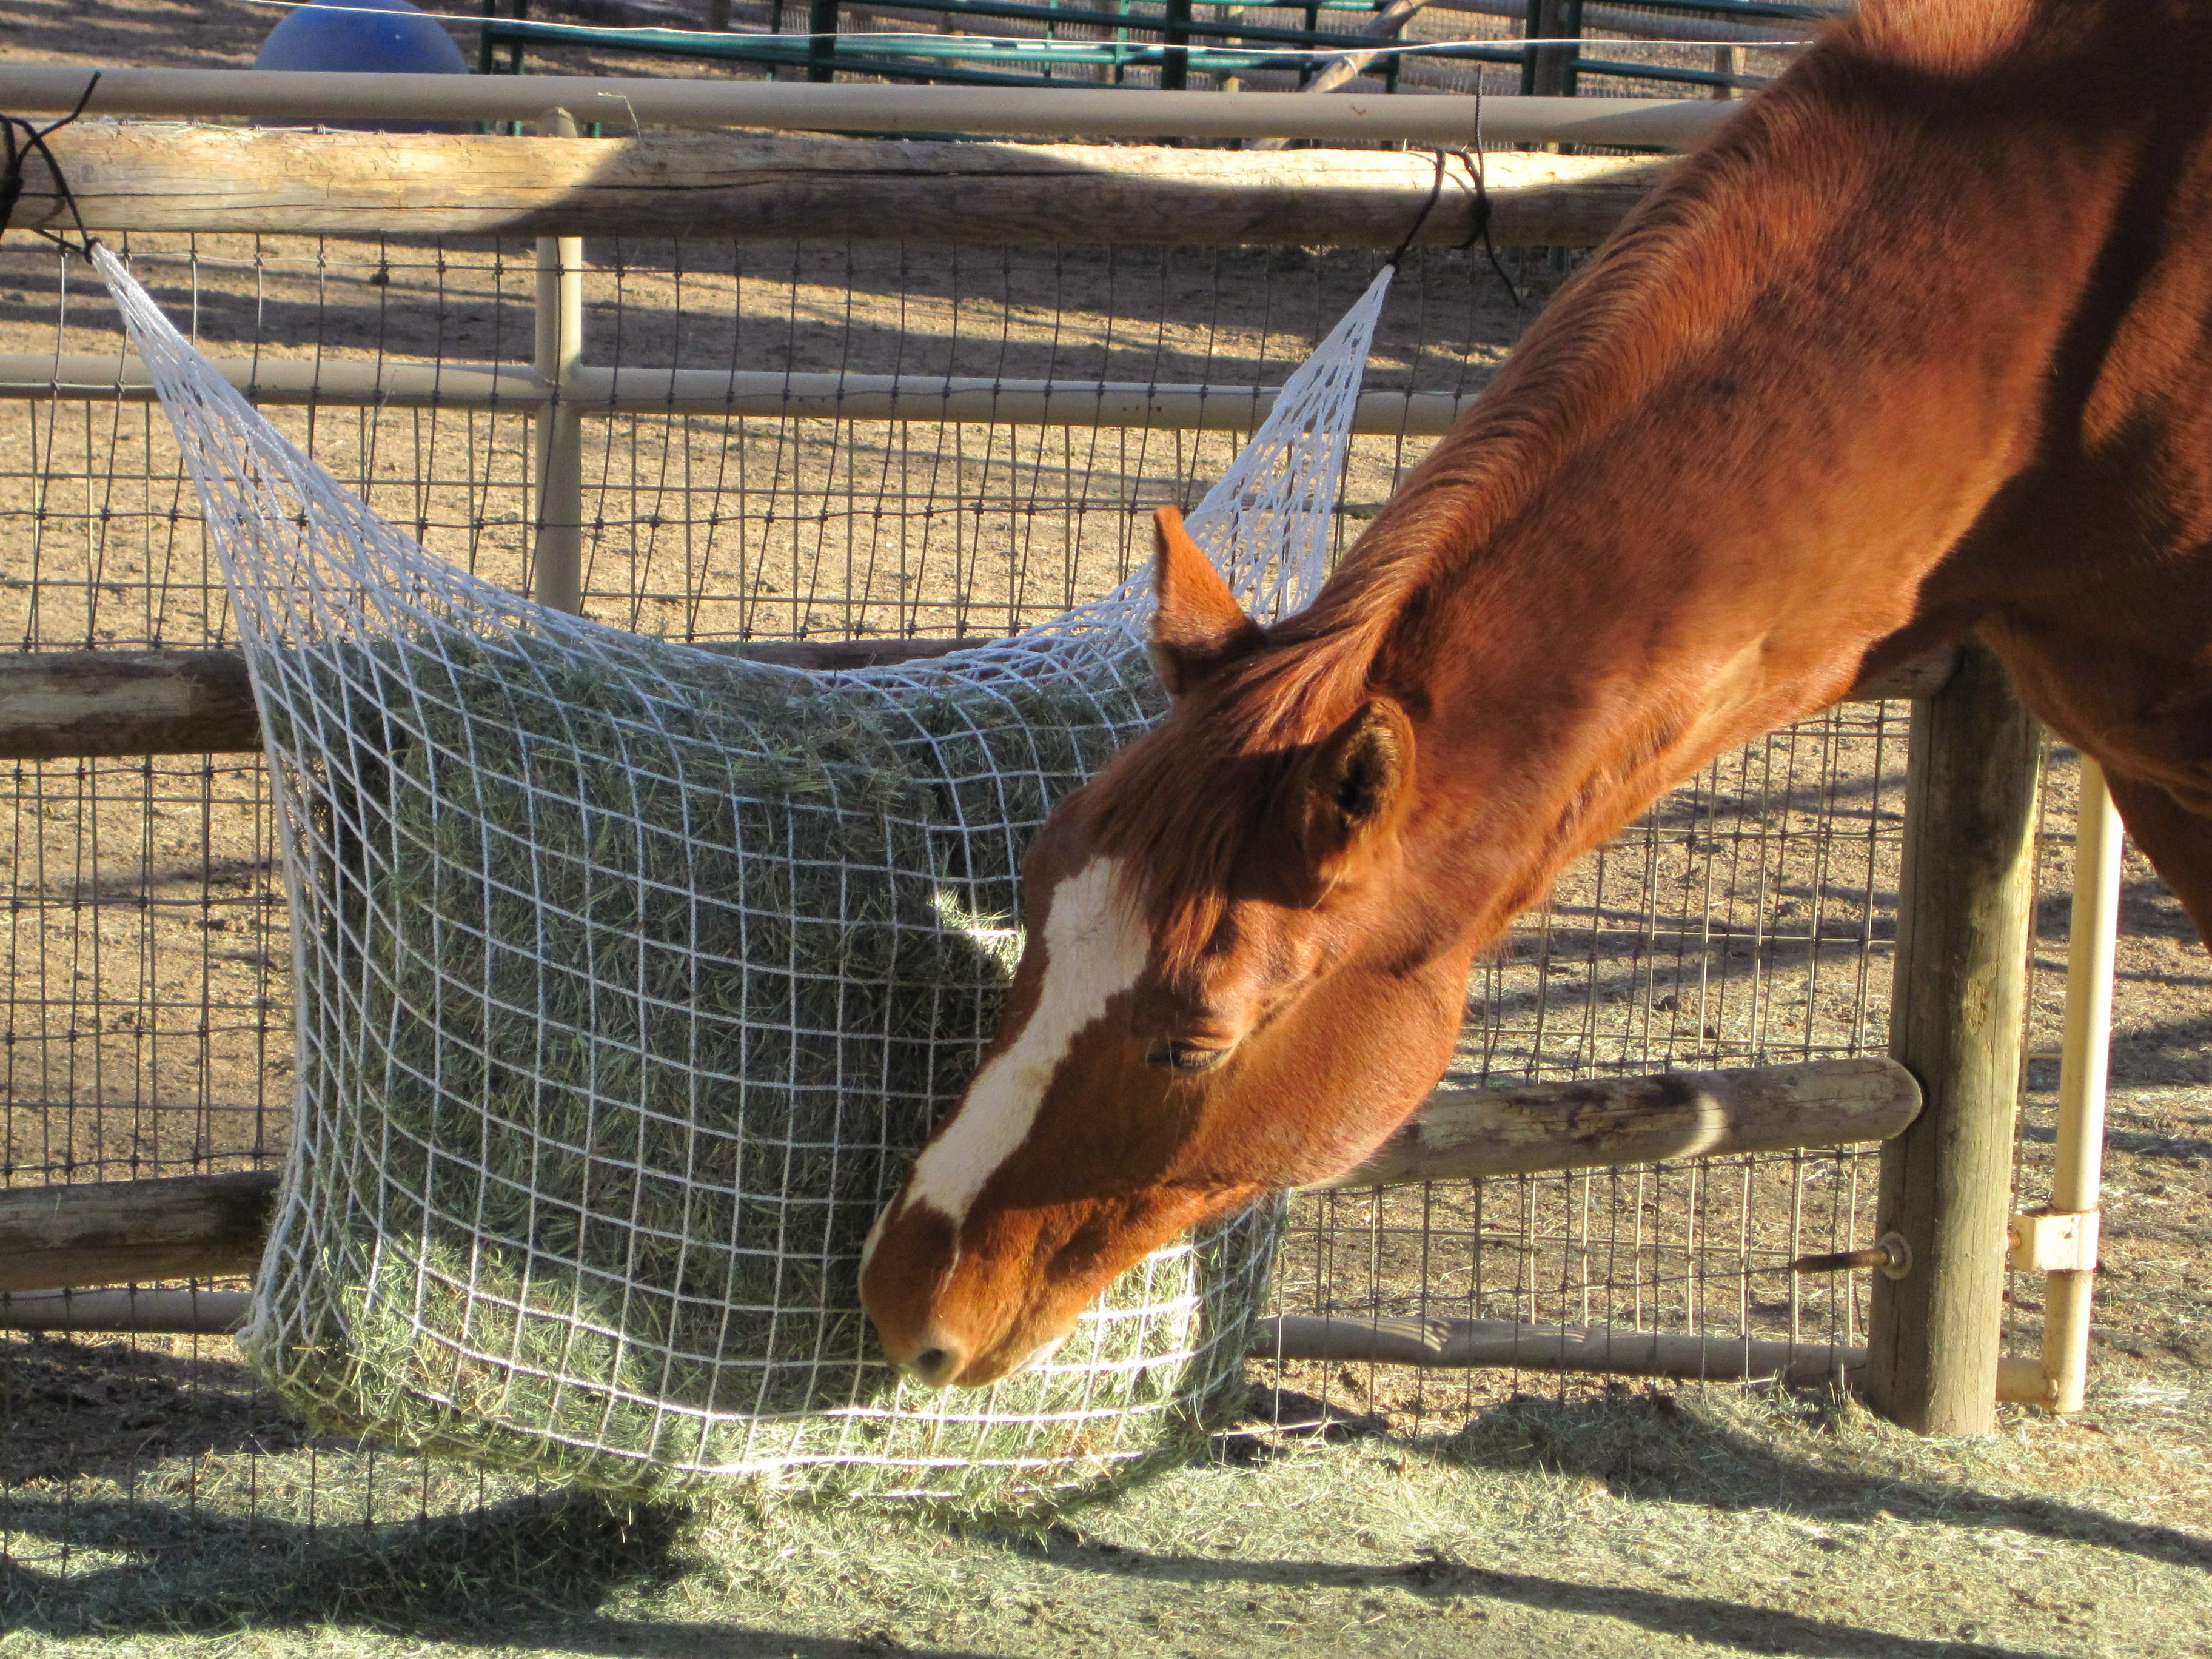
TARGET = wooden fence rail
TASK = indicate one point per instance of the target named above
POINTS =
(762, 186)
(92, 1234)
(89, 705)
(125, 1232)
(1602, 1122)
(633, 102)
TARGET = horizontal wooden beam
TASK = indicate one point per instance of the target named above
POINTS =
(208, 1226)
(134, 1232)
(631, 102)
(1465, 1344)
(93, 705)
(86, 705)
(766, 186)
(1603, 1123)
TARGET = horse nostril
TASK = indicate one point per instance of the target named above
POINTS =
(934, 1367)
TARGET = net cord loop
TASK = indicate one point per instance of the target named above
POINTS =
(21, 140)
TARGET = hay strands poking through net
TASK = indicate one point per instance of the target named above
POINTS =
(630, 977)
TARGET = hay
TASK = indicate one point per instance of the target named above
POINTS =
(666, 978)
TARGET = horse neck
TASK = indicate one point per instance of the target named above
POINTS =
(1718, 469)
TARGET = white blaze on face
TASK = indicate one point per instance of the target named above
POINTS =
(1094, 949)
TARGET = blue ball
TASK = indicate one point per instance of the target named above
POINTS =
(366, 37)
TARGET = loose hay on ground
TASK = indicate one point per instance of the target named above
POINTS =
(1717, 1519)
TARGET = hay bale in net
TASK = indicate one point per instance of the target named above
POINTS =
(630, 978)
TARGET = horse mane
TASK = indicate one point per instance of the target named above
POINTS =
(1196, 799)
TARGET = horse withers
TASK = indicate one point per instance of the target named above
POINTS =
(1919, 344)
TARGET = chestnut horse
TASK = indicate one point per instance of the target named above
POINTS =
(1919, 344)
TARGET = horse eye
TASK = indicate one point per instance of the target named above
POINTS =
(1170, 1055)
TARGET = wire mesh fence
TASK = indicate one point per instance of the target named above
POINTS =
(1749, 919)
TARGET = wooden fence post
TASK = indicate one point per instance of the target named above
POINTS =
(1966, 897)
(558, 548)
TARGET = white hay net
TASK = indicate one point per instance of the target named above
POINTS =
(631, 976)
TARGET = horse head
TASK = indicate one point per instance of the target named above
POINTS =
(1226, 988)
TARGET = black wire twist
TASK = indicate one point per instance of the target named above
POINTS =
(23, 141)
(1479, 231)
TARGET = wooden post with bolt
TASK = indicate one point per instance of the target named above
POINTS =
(1965, 895)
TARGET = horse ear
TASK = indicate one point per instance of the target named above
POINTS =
(1198, 625)
(1358, 782)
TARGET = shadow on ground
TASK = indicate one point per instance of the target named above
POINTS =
(176, 1546)
(156, 1566)
(1646, 1445)
(1707, 1618)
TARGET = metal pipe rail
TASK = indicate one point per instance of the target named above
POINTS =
(1750, 25)
(1134, 405)
(2060, 1239)
(1506, 1344)
(1239, 48)
(1600, 1350)
(625, 102)
(1029, 41)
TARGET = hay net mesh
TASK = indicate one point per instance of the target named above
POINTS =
(631, 976)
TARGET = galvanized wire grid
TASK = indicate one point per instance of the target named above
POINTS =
(148, 1027)
(1749, 920)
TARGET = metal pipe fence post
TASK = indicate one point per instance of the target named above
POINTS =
(1550, 71)
(2078, 1165)
(821, 40)
(1966, 894)
(557, 576)
(1175, 62)
(1729, 61)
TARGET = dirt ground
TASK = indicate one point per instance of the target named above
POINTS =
(151, 1499)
